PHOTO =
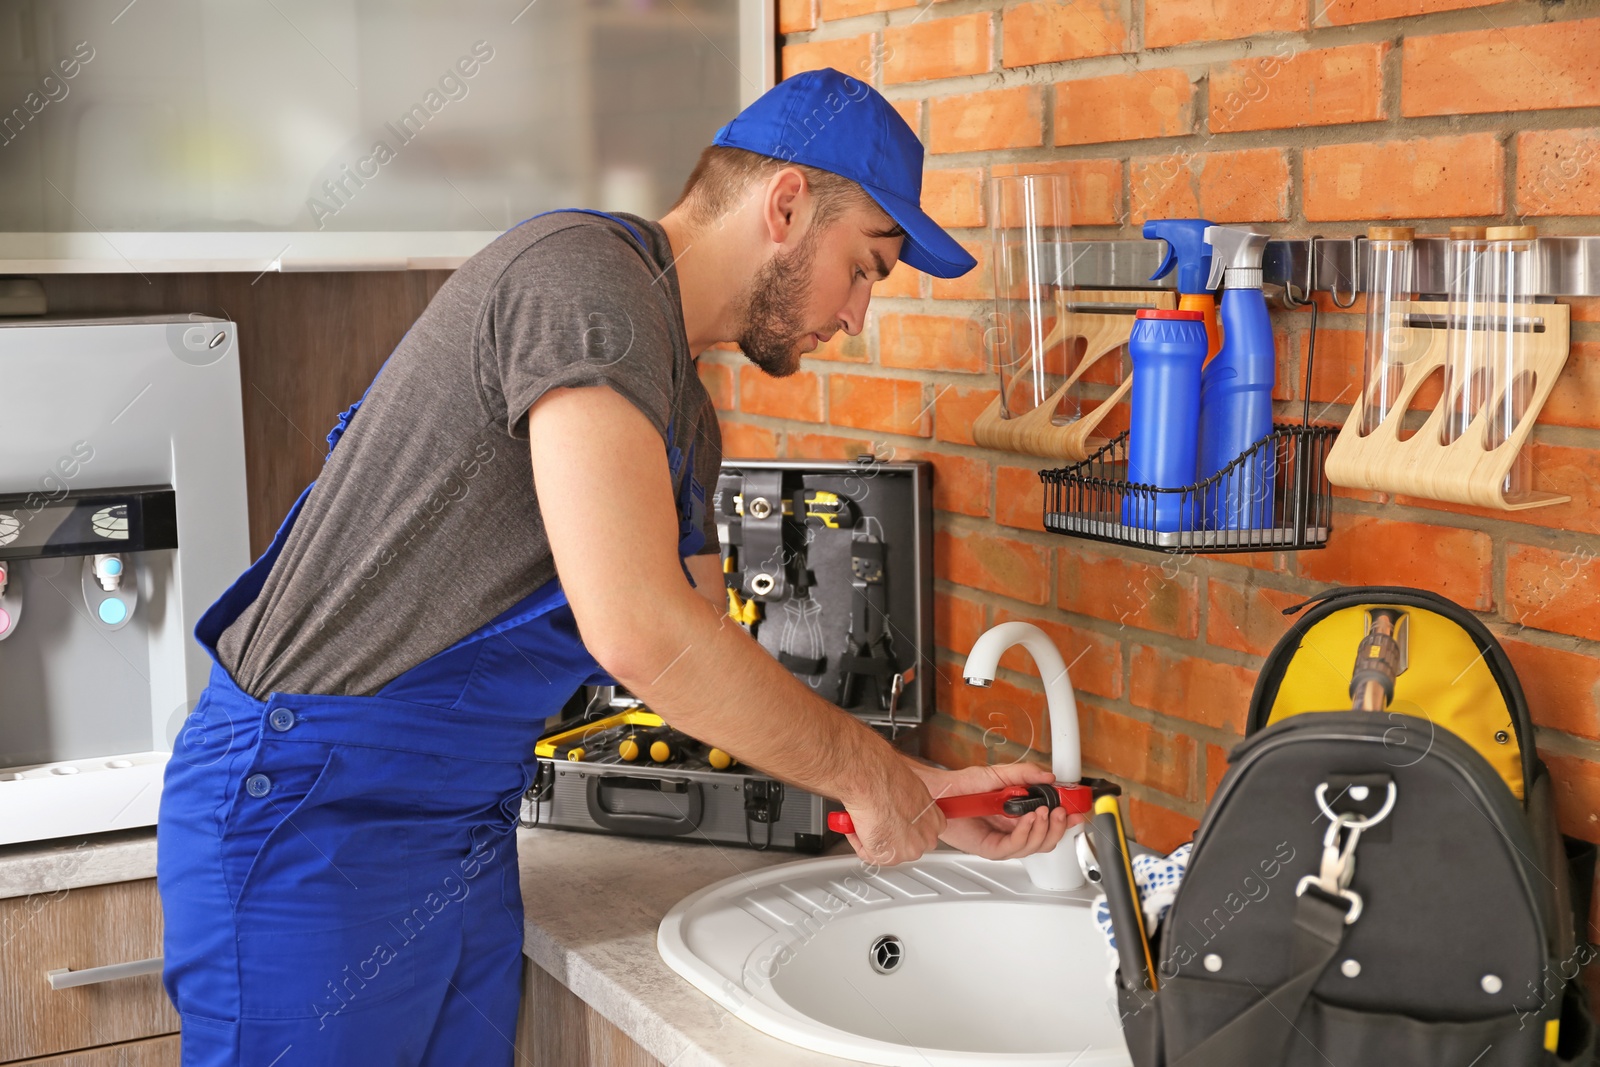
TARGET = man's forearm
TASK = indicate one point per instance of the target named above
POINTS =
(783, 728)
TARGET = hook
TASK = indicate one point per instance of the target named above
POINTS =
(1292, 301)
(1355, 267)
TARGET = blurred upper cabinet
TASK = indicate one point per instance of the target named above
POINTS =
(250, 135)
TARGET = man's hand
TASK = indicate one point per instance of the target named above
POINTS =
(996, 837)
(897, 822)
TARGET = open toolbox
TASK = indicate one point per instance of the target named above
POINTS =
(830, 568)
(627, 772)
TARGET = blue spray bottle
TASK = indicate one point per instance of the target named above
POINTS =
(1236, 387)
(1190, 256)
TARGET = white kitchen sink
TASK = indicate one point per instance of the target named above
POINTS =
(950, 960)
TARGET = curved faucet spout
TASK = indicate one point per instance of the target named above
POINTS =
(1060, 703)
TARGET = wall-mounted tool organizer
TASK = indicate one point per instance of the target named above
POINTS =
(830, 565)
(1048, 337)
(1094, 324)
(1497, 351)
(1562, 266)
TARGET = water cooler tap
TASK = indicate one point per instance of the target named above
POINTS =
(109, 589)
(10, 601)
(108, 571)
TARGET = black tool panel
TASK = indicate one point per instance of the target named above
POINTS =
(830, 566)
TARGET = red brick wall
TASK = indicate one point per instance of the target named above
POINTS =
(1331, 114)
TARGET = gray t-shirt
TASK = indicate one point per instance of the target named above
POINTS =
(424, 524)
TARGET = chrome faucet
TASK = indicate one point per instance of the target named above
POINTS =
(1058, 869)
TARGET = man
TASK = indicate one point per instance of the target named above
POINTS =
(336, 857)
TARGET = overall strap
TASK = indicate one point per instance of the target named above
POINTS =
(624, 223)
(1261, 1033)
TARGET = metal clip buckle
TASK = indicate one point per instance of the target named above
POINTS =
(1350, 896)
(1356, 821)
(1338, 866)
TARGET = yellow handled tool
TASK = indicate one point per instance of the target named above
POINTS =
(1138, 969)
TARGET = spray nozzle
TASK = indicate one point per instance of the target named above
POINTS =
(1186, 250)
(1235, 256)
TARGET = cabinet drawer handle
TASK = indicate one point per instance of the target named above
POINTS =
(64, 978)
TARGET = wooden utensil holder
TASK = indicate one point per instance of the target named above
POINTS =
(1464, 471)
(1035, 432)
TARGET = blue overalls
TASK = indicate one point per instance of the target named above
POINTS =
(339, 874)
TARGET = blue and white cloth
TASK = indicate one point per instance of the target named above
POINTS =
(1157, 879)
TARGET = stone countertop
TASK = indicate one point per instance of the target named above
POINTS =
(593, 903)
(71, 863)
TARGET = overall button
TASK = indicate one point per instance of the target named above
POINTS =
(258, 785)
(280, 719)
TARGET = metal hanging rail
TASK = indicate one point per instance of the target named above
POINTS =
(1568, 266)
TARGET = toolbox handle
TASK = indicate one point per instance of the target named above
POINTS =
(640, 824)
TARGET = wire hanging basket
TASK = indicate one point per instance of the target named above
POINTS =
(1274, 496)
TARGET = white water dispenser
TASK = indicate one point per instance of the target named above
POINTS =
(122, 517)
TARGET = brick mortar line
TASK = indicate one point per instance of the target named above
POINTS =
(1546, 639)
(1313, 38)
(1222, 655)
(1299, 139)
(1510, 173)
(1009, 750)
(1197, 647)
(1089, 624)
(1301, 587)
(1392, 72)
(1566, 744)
(1121, 706)
(972, 734)
(1500, 530)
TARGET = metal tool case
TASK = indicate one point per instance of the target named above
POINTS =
(830, 565)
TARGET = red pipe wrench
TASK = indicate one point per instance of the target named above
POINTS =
(1013, 800)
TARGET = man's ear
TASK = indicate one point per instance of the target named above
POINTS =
(786, 204)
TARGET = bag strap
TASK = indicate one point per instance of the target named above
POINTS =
(1261, 1033)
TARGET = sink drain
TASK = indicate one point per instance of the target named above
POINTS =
(886, 954)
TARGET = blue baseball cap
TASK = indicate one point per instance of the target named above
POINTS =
(833, 122)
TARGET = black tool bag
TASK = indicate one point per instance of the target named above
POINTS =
(1372, 887)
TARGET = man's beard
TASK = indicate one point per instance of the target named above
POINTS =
(774, 309)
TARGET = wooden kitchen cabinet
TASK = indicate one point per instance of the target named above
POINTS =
(92, 926)
(556, 1029)
(154, 1052)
